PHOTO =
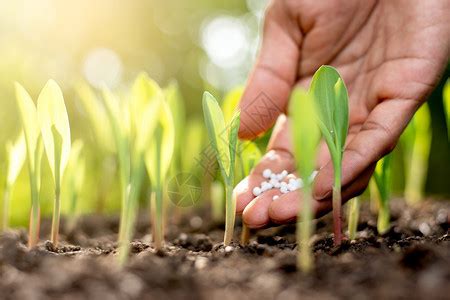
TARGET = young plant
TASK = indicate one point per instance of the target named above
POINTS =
(55, 130)
(306, 135)
(132, 124)
(73, 181)
(224, 142)
(16, 153)
(33, 141)
(416, 144)
(158, 160)
(331, 99)
(446, 99)
(382, 186)
(353, 217)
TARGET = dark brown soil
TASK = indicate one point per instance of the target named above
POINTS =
(411, 261)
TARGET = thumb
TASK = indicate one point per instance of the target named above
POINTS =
(274, 74)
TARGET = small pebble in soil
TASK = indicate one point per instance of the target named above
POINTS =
(201, 262)
(229, 249)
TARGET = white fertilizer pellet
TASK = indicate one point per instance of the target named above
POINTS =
(275, 181)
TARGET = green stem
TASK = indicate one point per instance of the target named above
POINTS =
(6, 199)
(157, 217)
(56, 214)
(305, 228)
(353, 216)
(35, 212)
(384, 217)
(230, 213)
(337, 204)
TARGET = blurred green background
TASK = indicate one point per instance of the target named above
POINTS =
(203, 44)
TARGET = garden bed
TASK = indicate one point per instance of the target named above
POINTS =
(411, 261)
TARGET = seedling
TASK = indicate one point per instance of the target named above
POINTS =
(158, 159)
(306, 136)
(73, 181)
(132, 123)
(382, 181)
(16, 153)
(416, 142)
(33, 140)
(224, 142)
(446, 99)
(331, 96)
(353, 217)
(54, 123)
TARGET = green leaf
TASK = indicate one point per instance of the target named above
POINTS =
(191, 150)
(446, 98)
(217, 132)
(30, 123)
(250, 156)
(54, 122)
(160, 151)
(17, 152)
(233, 140)
(176, 104)
(304, 131)
(331, 97)
(97, 117)
(231, 103)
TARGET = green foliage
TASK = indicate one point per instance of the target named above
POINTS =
(224, 142)
(331, 96)
(33, 140)
(306, 136)
(55, 128)
(16, 154)
(353, 217)
(446, 98)
(382, 189)
(416, 144)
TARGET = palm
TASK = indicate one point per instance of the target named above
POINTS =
(390, 54)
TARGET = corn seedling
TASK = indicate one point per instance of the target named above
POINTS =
(416, 142)
(16, 153)
(33, 141)
(381, 190)
(158, 160)
(331, 97)
(224, 142)
(73, 181)
(353, 217)
(55, 130)
(446, 99)
(132, 123)
(306, 136)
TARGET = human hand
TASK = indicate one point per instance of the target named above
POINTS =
(390, 55)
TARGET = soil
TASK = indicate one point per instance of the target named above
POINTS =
(411, 261)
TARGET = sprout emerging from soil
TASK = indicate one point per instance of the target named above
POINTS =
(33, 140)
(224, 142)
(16, 153)
(353, 217)
(416, 144)
(55, 128)
(306, 136)
(331, 96)
(381, 191)
(446, 99)
(133, 124)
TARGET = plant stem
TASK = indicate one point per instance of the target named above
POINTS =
(337, 204)
(304, 230)
(35, 212)
(245, 235)
(157, 217)
(6, 199)
(56, 215)
(230, 213)
(353, 217)
(383, 217)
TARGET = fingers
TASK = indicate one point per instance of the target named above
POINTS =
(376, 138)
(274, 74)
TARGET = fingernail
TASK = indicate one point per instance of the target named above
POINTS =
(323, 196)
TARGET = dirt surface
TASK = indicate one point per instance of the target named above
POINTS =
(411, 261)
